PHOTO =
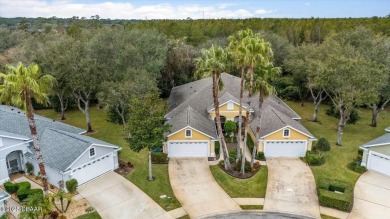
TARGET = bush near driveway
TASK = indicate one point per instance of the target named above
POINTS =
(314, 158)
(159, 158)
(323, 144)
(335, 194)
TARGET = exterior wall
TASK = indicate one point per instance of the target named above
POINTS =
(181, 136)
(18, 145)
(229, 114)
(309, 145)
(365, 157)
(53, 176)
(100, 152)
(9, 141)
(294, 135)
(212, 149)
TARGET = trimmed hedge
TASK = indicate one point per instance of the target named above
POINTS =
(159, 158)
(323, 144)
(356, 167)
(10, 187)
(260, 156)
(329, 196)
(71, 185)
(217, 148)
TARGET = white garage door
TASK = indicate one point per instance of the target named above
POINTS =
(285, 148)
(188, 149)
(92, 170)
(380, 164)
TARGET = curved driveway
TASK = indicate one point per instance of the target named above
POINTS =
(196, 189)
(291, 188)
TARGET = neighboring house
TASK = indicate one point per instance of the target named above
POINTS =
(3, 197)
(66, 152)
(193, 132)
(376, 154)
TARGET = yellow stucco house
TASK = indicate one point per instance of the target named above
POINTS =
(193, 133)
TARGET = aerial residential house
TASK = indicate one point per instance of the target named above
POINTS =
(192, 116)
(67, 152)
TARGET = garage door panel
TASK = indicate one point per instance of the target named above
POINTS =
(285, 148)
(94, 169)
(188, 149)
(379, 164)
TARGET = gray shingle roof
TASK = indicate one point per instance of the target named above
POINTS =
(14, 120)
(3, 195)
(60, 148)
(198, 95)
(13, 135)
(190, 117)
(382, 140)
(271, 120)
(225, 98)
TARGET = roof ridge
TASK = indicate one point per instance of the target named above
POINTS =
(274, 110)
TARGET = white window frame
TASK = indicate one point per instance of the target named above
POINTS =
(185, 133)
(230, 106)
(94, 152)
(289, 133)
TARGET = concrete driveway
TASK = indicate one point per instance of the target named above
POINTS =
(115, 197)
(195, 188)
(291, 188)
(372, 197)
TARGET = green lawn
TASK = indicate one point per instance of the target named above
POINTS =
(324, 216)
(254, 187)
(354, 136)
(112, 133)
(93, 215)
(251, 207)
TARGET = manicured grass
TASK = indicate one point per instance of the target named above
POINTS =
(251, 207)
(324, 216)
(113, 133)
(254, 187)
(184, 217)
(355, 135)
(93, 215)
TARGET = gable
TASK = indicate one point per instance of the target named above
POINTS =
(228, 113)
(294, 135)
(180, 135)
(84, 158)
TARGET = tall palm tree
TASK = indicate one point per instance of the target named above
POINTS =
(19, 85)
(237, 51)
(263, 75)
(212, 63)
(256, 52)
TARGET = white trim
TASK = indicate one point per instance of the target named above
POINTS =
(265, 143)
(107, 146)
(185, 133)
(189, 127)
(90, 162)
(4, 147)
(94, 152)
(183, 141)
(374, 145)
(287, 126)
(17, 138)
(230, 105)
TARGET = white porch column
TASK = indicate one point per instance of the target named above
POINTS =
(3, 171)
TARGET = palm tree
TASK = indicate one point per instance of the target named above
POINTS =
(237, 51)
(256, 52)
(212, 63)
(261, 85)
(19, 85)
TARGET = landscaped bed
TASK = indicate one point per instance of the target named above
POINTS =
(338, 158)
(113, 133)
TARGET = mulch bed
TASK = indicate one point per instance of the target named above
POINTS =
(124, 168)
(237, 174)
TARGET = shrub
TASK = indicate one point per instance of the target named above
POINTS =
(232, 156)
(329, 198)
(323, 144)
(159, 158)
(29, 167)
(355, 166)
(247, 167)
(249, 143)
(24, 193)
(260, 156)
(71, 185)
(23, 185)
(230, 127)
(353, 117)
(314, 158)
(217, 147)
(10, 187)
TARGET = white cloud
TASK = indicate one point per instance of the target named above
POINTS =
(263, 11)
(117, 10)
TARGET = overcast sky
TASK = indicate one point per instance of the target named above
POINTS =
(176, 9)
